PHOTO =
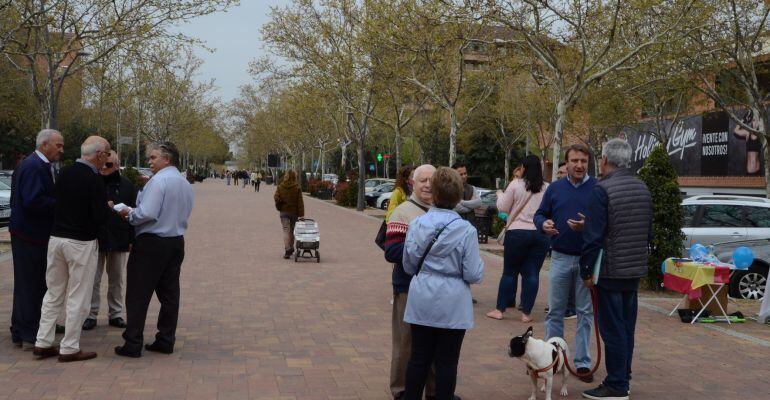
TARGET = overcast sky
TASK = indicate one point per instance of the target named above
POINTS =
(236, 39)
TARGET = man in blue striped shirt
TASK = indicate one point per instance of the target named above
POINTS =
(154, 264)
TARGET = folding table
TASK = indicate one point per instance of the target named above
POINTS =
(688, 277)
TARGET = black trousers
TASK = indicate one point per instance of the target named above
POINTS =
(29, 265)
(440, 348)
(154, 265)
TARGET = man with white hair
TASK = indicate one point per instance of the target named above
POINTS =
(619, 222)
(395, 235)
(81, 211)
(32, 208)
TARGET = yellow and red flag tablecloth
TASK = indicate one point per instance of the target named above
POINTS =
(687, 276)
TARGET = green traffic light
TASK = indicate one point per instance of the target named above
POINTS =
(379, 157)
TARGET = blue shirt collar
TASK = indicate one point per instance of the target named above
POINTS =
(93, 167)
(585, 179)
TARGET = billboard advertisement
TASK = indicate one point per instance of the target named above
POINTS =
(711, 144)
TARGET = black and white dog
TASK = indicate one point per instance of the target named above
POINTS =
(544, 360)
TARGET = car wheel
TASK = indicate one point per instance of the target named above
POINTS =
(384, 204)
(749, 284)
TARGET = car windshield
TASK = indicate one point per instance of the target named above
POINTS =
(4, 186)
(385, 187)
(6, 180)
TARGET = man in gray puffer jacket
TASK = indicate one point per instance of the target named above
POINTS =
(618, 221)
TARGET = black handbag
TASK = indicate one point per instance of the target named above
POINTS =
(379, 240)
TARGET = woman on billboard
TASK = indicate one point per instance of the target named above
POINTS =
(753, 145)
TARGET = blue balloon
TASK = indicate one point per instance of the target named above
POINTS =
(503, 216)
(698, 252)
(743, 257)
(663, 267)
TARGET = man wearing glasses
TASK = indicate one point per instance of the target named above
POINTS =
(81, 210)
(155, 260)
(115, 240)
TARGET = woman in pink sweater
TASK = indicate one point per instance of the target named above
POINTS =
(525, 247)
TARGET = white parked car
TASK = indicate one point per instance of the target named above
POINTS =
(724, 221)
(384, 200)
(372, 183)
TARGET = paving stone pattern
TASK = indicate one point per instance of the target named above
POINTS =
(254, 325)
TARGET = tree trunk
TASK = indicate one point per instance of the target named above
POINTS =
(53, 109)
(344, 157)
(558, 132)
(507, 164)
(361, 203)
(452, 137)
(398, 148)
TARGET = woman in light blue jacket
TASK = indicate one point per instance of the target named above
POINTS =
(439, 305)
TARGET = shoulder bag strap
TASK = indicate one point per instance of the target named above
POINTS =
(418, 205)
(512, 217)
(430, 245)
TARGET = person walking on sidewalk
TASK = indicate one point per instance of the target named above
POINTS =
(439, 308)
(155, 261)
(618, 220)
(115, 240)
(73, 251)
(288, 201)
(561, 216)
(524, 247)
(33, 202)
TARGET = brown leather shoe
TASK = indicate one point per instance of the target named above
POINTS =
(45, 352)
(79, 356)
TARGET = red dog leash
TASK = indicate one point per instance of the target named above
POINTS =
(595, 303)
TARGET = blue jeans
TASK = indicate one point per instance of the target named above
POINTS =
(565, 274)
(524, 254)
(617, 323)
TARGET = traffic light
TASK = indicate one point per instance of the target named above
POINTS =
(379, 157)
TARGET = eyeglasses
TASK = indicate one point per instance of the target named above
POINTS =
(109, 164)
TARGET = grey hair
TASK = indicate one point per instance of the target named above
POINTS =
(618, 153)
(167, 149)
(44, 136)
(423, 168)
(92, 148)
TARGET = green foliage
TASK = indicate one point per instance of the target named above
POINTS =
(660, 176)
(134, 176)
(347, 193)
(342, 176)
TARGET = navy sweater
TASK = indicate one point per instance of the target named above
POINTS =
(32, 200)
(563, 201)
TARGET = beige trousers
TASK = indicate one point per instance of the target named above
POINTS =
(402, 349)
(70, 279)
(288, 232)
(115, 264)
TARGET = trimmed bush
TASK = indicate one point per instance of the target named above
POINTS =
(667, 237)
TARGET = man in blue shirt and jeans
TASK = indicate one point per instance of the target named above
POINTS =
(561, 216)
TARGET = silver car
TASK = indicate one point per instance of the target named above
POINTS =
(722, 221)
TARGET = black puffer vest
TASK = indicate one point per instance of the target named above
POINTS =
(629, 216)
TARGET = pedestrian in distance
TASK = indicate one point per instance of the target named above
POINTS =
(160, 218)
(228, 176)
(254, 180)
(470, 201)
(288, 201)
(441, 252)
(402, 191)
(73, 251)
(115, 239)
(562, 217)
(258, 181)
(619, 221)
(245, 176)
(33, 201)
(524, 247)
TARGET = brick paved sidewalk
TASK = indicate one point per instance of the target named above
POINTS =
(253, 325)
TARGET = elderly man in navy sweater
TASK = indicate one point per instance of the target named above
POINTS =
(561, 216)
(32, 210)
